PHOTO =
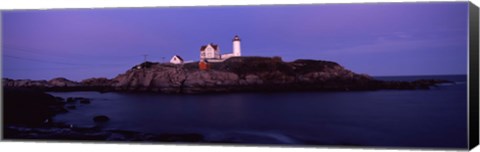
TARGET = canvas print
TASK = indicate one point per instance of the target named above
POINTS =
(366, 75)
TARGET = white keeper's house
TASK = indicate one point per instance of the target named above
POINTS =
(176, 59)
(211, 52)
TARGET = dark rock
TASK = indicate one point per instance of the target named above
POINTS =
(101, 118)
(25, 83)
(427, 83)
(85, 101)
(146, 64)
(97, 82)
(62, 82)
(29, 107)
(59, 99)
(71, 107)
(57, 109)
(70, 100)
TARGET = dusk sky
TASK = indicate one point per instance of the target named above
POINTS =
(379, 39)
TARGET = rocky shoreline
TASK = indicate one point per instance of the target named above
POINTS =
(237, 74)
(28, 116)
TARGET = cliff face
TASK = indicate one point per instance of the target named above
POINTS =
(96, 82)
(239, 74)
(234, 74)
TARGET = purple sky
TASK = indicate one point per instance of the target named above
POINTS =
(376, 39)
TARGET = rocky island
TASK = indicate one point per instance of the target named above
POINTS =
(236, 74)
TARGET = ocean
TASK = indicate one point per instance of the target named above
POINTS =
(382, 118)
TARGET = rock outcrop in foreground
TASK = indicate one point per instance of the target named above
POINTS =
(29, 107)
(233, 75)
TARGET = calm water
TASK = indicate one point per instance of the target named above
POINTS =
(413, 118)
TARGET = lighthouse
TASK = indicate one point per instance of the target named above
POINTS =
(236, 46)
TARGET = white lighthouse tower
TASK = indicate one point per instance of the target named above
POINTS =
(236, 46)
